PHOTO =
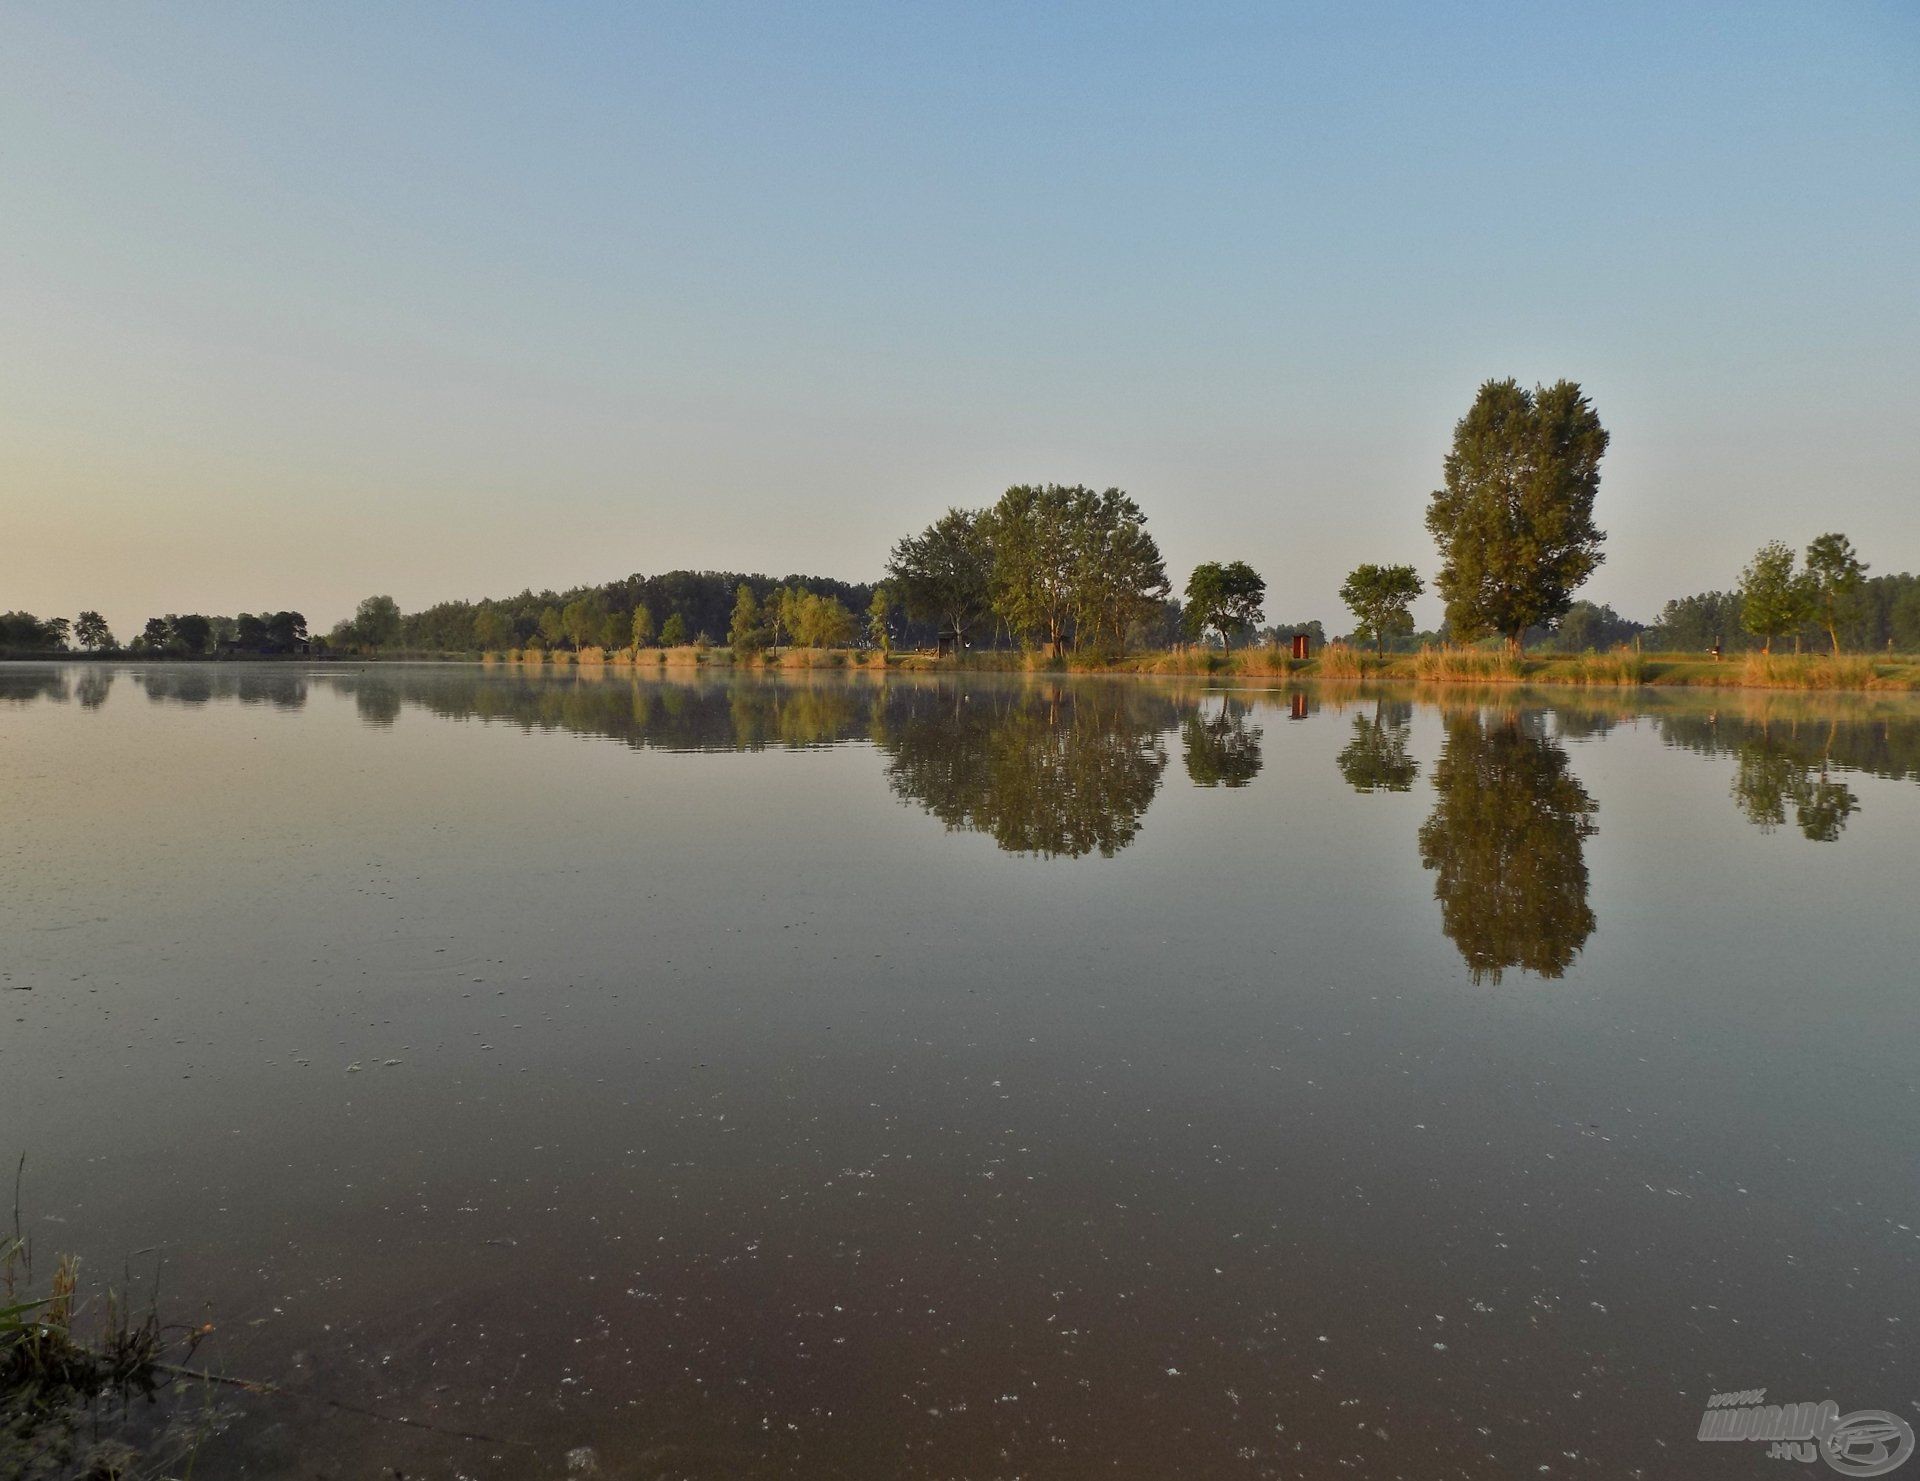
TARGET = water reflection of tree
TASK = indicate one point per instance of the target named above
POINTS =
(1377, 758)
(1056, 770)
(1768, 775)
(94, 685)
(1222, 750)
(22, 685)
(1507, 843)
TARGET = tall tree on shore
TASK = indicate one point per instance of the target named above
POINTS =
(1774, 598)
(879, 610)
(1119, 577)
(1035, 533)
(1228, 598)
(1379, 597)
(90, 630)
(642, 627)
(941, 573)
(674, 633)
(491, 630)
(376, 622)
(1515, 521)
(1834, 574)
(748, 633)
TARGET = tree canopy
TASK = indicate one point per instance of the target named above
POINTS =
(1515, 521)
(1226, 598)
(1381, 597)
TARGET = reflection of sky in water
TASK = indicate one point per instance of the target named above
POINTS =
(834, 1076)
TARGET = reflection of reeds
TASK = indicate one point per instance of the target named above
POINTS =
(1474, 665)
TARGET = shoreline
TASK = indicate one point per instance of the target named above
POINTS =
(1622, 670)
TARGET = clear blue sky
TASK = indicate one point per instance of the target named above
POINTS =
(301, 302)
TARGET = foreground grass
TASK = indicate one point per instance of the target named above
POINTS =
(59, 1360)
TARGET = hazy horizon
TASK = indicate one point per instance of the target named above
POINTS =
(307, 304)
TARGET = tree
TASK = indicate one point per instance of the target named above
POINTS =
(675, 631)
(584, 621)
(1227, 598)
(491, 630)
(92, 632)
(1695, 623)
(746, 633)
(286, 630)
(1833, 577)
(376, 622)
(642, 627)
(1590, 626)
(1380, 596)
(1774, 598)
(552, 625)
(879, 610)
(1515, 521)
(821, 622)
(1118, 576)
(941, 574)
(191, 632)
(157, 635)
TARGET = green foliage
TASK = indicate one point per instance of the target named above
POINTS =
(746, 633)
(1515, 521)
(1225, 598)
(1774, 598)
(583, 621)
(1066, 559)
(1380, 598)
(491, 629)
(1590, 627)
(821, 622)
(879, 611)
(1834, 574)
(941, 574)
(674, 633)
(642, 629)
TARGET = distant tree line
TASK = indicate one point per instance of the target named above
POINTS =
(1056, 567)
(674, 608)
(176, 635)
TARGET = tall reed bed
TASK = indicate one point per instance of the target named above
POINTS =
(1339, 661)
(1474, 665)
(1783, 671)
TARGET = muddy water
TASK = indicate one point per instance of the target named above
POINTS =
(975, 1077)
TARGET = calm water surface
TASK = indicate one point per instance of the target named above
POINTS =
(972, 1077)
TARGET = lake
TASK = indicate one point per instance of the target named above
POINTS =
(967, 1075)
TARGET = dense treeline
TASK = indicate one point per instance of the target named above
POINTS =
(670, 609)
(1062, 568)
